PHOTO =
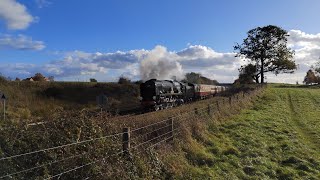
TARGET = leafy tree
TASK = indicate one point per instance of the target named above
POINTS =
(317, 67)
(193, 77)
(197, 78)
(124, 80)
(248, 74)
(266, 47)
(205, 80)
(138, 82)
(51, 78)
(2, 78)
(38, 77)
(93, 80)
(310, 77)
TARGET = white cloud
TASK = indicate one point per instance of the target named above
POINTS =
(307, 53)
(20, 42)
(303, 40)
(17, 69)
(202, 56)
(161, 63)
(15, 14)
(140, 64)
(42, 3)
(117, 60)
(79, 63)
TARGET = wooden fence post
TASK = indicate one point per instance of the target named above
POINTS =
(126, 141)
(209, 109)
(230, 100)
(171, 122)
(217, 102)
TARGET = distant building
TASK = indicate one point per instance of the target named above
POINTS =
(28, 79)
(40, 78)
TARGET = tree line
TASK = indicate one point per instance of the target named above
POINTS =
(36, 77)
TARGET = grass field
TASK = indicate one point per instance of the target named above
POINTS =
(278, 138)
(76, 126)
(275, 135)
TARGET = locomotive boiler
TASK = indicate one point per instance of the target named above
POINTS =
(163, 94)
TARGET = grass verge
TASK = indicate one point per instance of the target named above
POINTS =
(277, 138)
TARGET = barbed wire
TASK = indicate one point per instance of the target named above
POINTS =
(155, 130)
(159, 122)
(88, 177)
(82, 166)
(43, 150)
(61, 146)
(151, 140)
(161, 141)
(90, 140)
(43, 165)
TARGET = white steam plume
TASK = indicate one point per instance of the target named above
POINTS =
(160, 64)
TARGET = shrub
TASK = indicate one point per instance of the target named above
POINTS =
(124, 80)
(93, 80)
(38, 77)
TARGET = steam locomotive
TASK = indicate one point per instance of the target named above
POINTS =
(163, 94)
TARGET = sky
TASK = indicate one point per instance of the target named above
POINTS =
(104, 39)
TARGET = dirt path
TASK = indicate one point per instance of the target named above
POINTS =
(306, 133)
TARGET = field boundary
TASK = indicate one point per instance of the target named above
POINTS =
(128, 143)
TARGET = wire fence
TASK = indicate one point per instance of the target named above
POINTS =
(136, 140)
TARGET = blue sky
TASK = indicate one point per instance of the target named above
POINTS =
(74, 39)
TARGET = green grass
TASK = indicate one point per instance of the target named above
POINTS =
(272, 136)
(278, 138)
(75, 125)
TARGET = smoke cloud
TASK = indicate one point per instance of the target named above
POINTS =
(160, 64)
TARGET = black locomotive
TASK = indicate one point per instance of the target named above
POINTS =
(163, 94)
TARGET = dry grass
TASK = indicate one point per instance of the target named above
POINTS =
(275, 138)
(41, 101)
(62, 126)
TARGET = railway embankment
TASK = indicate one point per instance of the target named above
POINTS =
(268, 133)
(76, 145)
